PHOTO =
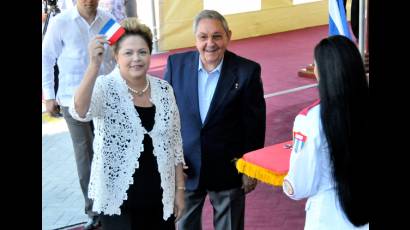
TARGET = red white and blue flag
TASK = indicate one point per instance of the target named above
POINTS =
(113, 31)
(299, 140)
(337, 19)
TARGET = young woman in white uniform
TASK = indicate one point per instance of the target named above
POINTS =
(326, 163)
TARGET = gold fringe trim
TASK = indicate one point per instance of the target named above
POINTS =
(260, 173)
(45, 118)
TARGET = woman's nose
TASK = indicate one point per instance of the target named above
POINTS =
(136, 56)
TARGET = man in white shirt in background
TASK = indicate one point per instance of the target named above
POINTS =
(51, 8)
(66, 41)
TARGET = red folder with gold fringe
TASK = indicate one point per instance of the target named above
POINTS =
(269, 164)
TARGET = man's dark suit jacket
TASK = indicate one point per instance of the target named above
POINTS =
(234, 125)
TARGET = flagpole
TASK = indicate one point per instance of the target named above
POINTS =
(361, 27)
(155, 29)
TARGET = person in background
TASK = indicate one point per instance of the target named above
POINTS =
(330, 142)
(120, 9)
(223, 116)
(131, 8)
(136, 177)
(48, 12)
(66, 41)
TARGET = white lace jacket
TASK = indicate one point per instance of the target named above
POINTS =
(118, 141)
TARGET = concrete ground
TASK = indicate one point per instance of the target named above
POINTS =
(62, 201)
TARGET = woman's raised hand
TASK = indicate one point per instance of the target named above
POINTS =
(96, 49)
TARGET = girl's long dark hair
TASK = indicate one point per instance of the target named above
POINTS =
(344, 103)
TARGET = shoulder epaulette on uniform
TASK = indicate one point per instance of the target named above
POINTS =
(306, 110)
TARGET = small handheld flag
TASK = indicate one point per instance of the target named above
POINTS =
(113, 31)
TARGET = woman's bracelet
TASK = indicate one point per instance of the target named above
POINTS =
(181, 187)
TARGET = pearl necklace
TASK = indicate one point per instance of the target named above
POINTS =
(139, 93)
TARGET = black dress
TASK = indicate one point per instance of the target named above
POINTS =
(143, 209)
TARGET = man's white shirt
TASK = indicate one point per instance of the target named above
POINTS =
(66, 41)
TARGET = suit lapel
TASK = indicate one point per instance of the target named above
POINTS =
(192, 80)
(225, 82)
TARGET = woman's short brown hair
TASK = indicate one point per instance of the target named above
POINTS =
(133, 26)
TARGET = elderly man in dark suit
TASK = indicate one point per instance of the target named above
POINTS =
(223, 116)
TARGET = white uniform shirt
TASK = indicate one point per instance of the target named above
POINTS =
(310, 176)
(66, 40)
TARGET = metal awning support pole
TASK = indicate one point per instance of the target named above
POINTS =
(361, 26)
(154, 25)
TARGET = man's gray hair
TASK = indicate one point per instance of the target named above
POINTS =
(212, 14)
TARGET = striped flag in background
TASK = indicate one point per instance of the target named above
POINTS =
(337, 19)
(112, 30)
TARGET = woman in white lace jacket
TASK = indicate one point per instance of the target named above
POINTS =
(136, 174)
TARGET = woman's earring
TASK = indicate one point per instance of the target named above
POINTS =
(118, 66)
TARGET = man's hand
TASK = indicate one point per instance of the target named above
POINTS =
(52, 108)
(248, 183)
